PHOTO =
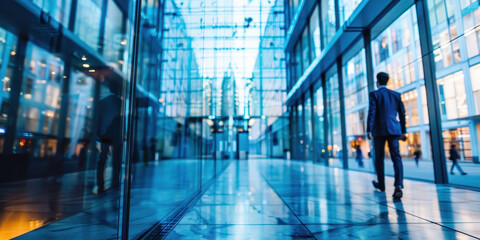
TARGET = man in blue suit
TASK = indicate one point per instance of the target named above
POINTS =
(386, 123)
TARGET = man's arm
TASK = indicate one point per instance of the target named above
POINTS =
(403, 122)
(372, 108)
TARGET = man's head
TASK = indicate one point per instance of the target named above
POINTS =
(382, 78)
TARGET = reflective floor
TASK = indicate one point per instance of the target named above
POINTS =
(53, 209)
(255, 199)
(276, 199)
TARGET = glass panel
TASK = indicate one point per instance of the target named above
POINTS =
(334, 128)
(87, 22)
(328, 20)
(315, 33)
(306, 49)
(396, 51)
(319, 141)
(356, 107)
(298, 61)
(346, 9)
(59, 10)
(308, 128)
(456, 43)
(114, 36)
(60, 130)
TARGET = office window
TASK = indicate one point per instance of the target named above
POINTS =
(456, 44)
(306, 50)
(298, 61)
(318, 111)
(308, 127)
(475, 78)
(396, 52)
(115, 40)
(328, 20)
(58, 9)
(333, 119)
(453, 99)
(356, 104)
(87, 22)
(346, 9)
(315, 33)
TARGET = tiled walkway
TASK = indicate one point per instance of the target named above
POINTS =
(276, 199)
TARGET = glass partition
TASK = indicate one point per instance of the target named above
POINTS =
(334, 129)
(319, 148)
(454, 27)
(396, 51)
(356, 109)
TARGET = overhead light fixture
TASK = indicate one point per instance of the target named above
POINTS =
(84, 58)
(92, 70)
(86, 65)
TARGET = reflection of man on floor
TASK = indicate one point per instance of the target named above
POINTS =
(108, 135)
(382, 125)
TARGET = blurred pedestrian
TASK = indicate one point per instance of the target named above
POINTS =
(454, 157)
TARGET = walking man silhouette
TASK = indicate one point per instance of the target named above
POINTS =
(386, 123)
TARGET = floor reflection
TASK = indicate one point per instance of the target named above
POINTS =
(276, 199)
(255, 199)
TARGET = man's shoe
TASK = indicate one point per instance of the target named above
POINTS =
(464, 173)
(377, 186)
(398, 193)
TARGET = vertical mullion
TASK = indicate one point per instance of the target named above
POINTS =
(15, 90)
(325, 118)
(367, 45)
(342, 113)
(433, 98)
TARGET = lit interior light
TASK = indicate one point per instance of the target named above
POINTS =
(86, 65)
(84, 58)
(123, 42)
(92, 70)
(13, 53)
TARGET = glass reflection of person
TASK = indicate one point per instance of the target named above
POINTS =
(108, 135)
(454, 157)
(359, 156)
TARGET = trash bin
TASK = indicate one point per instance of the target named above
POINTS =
(475, 159)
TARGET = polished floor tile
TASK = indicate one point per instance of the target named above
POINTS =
(276, 199)
(254, 199)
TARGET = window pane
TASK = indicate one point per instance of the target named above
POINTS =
(315, 33)
(399, 57)
(356, 107)
(457, 79)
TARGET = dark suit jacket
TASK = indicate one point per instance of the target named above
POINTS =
(385, 106)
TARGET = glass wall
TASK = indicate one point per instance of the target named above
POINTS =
(454, 28)
(90, 114)
(356, 107)
(334, 129)
(396, 51)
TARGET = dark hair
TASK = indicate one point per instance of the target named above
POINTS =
(382, 78)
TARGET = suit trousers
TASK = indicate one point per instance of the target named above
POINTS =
(393, 145)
